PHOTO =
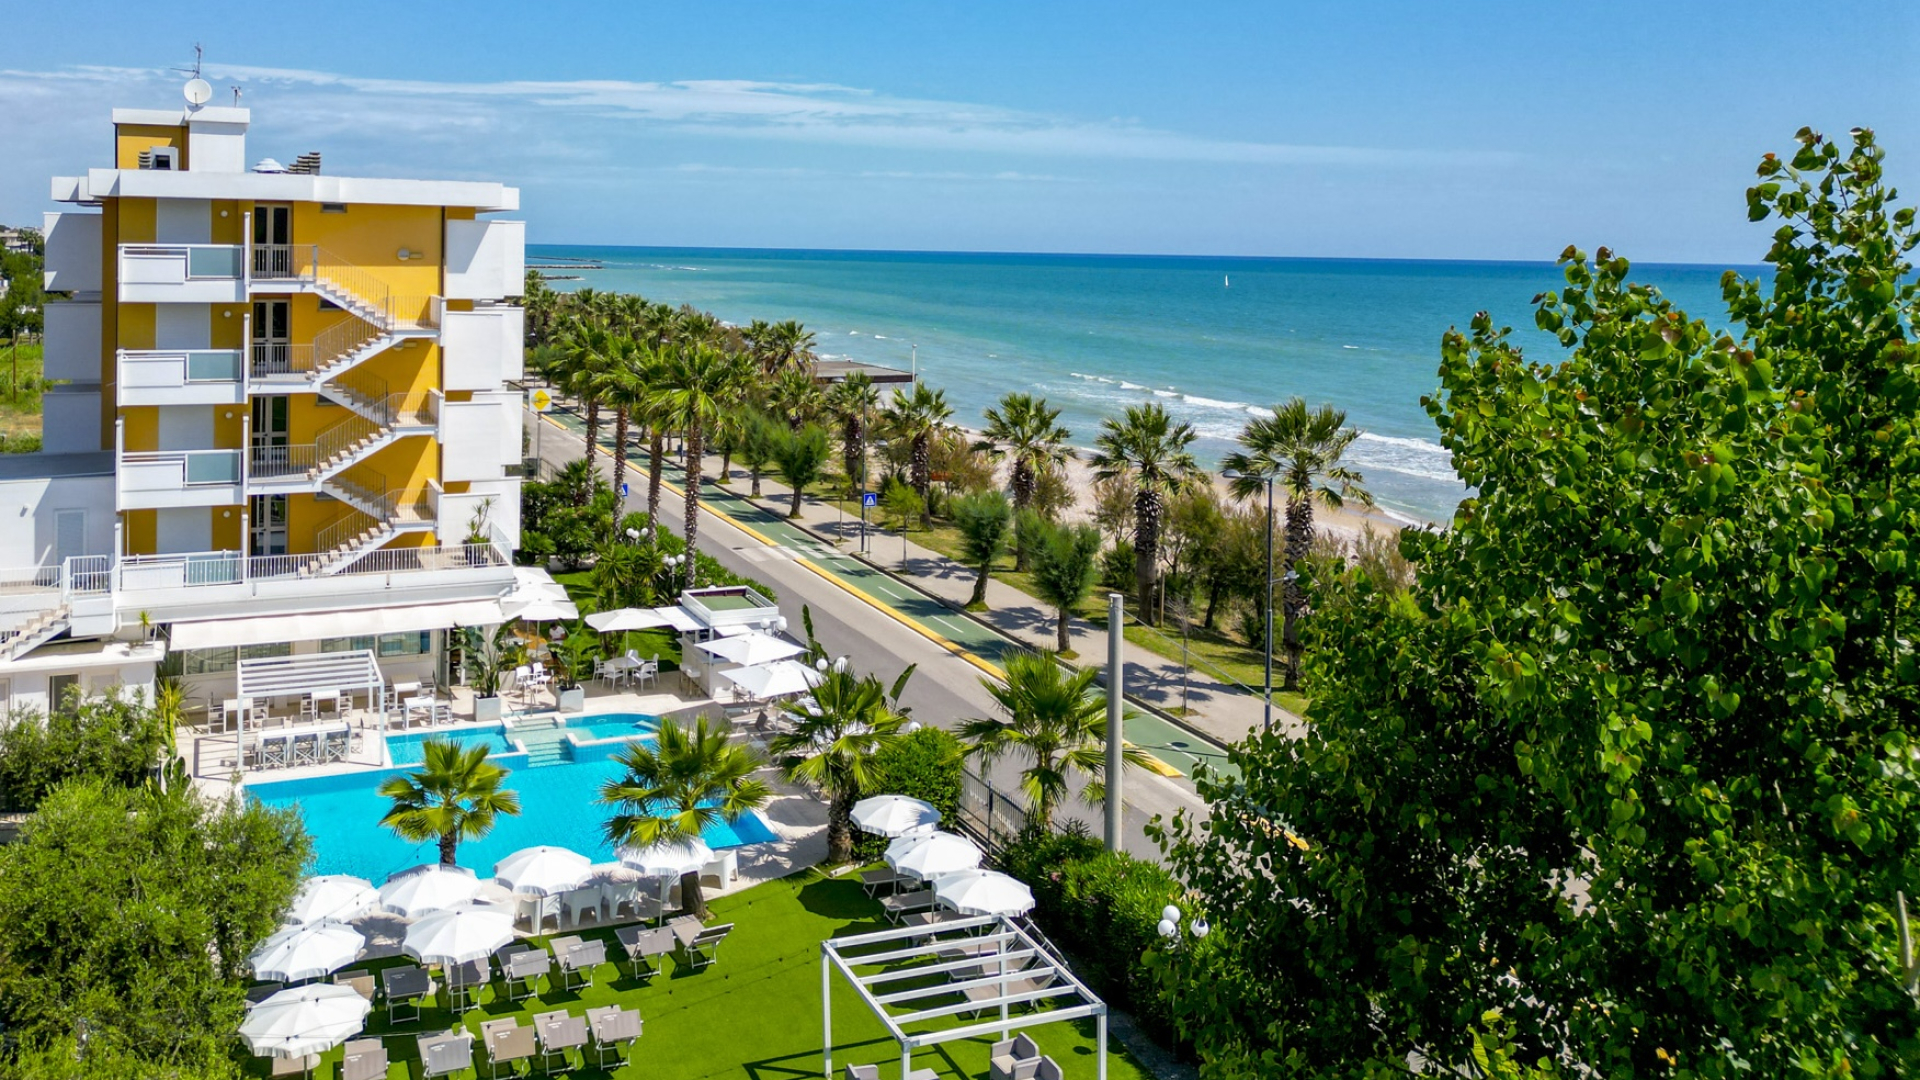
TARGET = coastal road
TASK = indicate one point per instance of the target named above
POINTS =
(946, 687)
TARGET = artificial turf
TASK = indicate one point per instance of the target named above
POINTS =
(755, 1012)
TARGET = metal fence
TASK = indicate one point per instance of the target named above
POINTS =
(990, 816)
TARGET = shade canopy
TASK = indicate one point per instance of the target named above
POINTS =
(542, 609)
(412, 893)
(929, 856)
(678, 618)
(627, 618)
(778, 679)
(670, 859)
(333, 896)
(306, 952)
(530, 582)
(983, 892)
(751, 648)
(304, 1020)
(320, 625)
(456, 935)
(894, 815)
(542, 871)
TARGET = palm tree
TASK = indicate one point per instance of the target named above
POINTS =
(852, 401)
(801, 457)
(917, 418)
(673, 789)
(456, 795)
(1149, 449)
(622, 385)
(1024, 429)
(1058, 721)
(795, 398)
(792, 347)
(1299, 449)
(658, 326)
(1065, 562)
(592, 349)
(831, 746)
(698, 384)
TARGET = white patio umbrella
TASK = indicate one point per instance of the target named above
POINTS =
(933, 855)
(456, 935)
(542, 871)
(627, 618)
(333, 896)
(678, 618)
(306, 952)
(304, 1020)
(894, 815)
(983, 892)
(531, 581)
(667, 860)
(751, 649)
(541, 609)
(778, 679)
(412, 893)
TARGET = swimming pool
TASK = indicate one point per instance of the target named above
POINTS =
(557, 806)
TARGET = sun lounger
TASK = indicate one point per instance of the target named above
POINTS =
(295, 1066)
(645, 948)
(902, 903)
(875, 880)
(705, 948)
(364, 1059)
(442, 1055)
(990, 992)
(507, 1041)
(361, 981)
(613, 1027)
(522, 970)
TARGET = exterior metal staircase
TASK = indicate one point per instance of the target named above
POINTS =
(34, 633)
(371, 522)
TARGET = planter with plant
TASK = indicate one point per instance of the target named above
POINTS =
(488, 657)
(573, 658)
(479, 526)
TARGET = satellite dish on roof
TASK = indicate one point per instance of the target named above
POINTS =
(198, 92)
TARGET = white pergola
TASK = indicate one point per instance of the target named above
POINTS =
(355, 670)
(995, 945)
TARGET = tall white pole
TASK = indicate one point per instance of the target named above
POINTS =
(1116, 694)
(826, 1013)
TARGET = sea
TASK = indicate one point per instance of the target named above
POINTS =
(1216, 341)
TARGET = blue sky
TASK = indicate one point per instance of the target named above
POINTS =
(1396, 128)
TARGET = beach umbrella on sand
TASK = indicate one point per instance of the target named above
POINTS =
(983, 892)
(668, 860)
(306, 952)
(304, 1020)
(542, 871)
(412, 893)
(333, 896)
(894, 815)
(933, 855)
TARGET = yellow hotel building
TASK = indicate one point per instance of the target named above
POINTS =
(282, 416)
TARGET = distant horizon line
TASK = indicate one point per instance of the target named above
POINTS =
(1118, 255)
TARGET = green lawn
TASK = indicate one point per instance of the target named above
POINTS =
(754, 1013)
(20, 408)
(662, 641)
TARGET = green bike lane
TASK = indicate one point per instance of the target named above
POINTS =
(1179, 748)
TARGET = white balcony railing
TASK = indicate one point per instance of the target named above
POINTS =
(177, 264)
(211, 568)
(177, 470)
(182, 376)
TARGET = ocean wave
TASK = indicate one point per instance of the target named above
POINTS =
(1213, 403)
(1166, 393)
(1125, 385)
(1350, 346)
(1090, 378)
(880, 337)
(1424, 445)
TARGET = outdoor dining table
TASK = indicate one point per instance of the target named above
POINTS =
(444, 1054)
(611, 1026)
(559, 1032)
(364, 1060)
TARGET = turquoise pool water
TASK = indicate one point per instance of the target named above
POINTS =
(557, 802)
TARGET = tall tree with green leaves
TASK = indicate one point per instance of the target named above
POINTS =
(984, 519)
(1022, 429)
(1150, 451)
(853, 401)
(1066, 561)
(698, 385)
(801, 457)
(1301, 450)
(796, 398)
(1632, 761)
(916, 419)
(759, 441)
(832, 745)
(1056, 722)
(673, 788)
(456, 794)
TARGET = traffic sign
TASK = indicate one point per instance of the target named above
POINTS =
(623, 489)
(868, 498)
(539, 399)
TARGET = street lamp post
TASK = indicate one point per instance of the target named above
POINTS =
(1267, 605)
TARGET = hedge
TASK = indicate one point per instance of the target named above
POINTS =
(924, 764)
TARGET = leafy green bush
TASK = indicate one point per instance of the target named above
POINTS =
(923, 765)
(1103, 907)
(1116, 567)
(111, 738)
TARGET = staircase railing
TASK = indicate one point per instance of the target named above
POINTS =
(370, 297)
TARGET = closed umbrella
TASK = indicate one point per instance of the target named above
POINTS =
(751, 649)
(627, 618)
(411, 893)
(304, 1020)
(306, 952)
(983, 892)
(333, 896)
(778, 679)
(670, 859)
(894, 815)
(542, 871)
(932, 855)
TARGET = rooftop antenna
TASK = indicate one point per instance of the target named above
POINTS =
(197, 90)
(236, 96)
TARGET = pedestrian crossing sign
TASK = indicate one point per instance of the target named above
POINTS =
(868, 498)
(539, 399)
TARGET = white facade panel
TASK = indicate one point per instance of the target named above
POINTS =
(73, 252)
(186, 427)
(483, 348)
(183, 529)
(38, 503)
(73, 341)
(70, 420)
(217, 147)
(183, 221)
(456, 511)
(486, 260)
(479, 438)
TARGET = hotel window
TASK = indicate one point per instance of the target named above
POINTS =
(215, 661)
(411, 643)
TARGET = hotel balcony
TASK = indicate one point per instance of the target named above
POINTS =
(158, 479)
(212, 584)
(182, 274)
(182, 377)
